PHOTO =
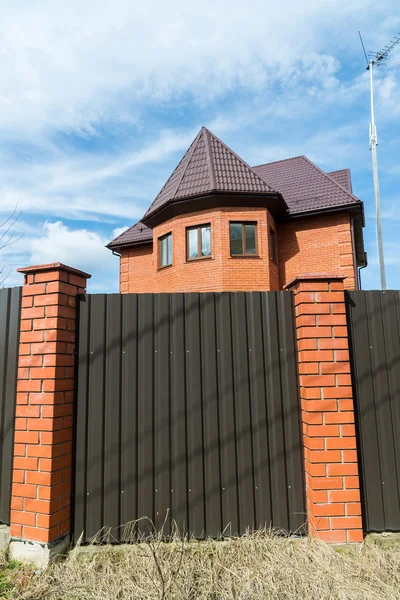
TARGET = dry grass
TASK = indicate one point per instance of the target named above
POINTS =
(258, 566)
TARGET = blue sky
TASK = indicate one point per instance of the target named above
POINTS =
(99, 100)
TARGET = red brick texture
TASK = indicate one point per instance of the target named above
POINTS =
(329, 437)
(40, 498)
(319, 244)
(140, 272)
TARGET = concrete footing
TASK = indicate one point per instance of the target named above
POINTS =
(36, 553)
(4, 536)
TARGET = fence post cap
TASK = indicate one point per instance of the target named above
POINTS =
(314, 277)
(57, 266)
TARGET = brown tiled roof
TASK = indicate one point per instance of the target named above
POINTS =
(343, 177)
(137, 234)
(304, 186)
(208, 165)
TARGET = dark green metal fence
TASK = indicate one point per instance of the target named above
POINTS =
(374, 321)
(188, 404)
(10, 308)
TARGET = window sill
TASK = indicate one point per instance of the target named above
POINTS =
(246, 256)
(200, 258)
(163, 268)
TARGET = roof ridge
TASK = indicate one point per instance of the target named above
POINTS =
(347, 174)
(210, 163)
(191, 150)
(239, 159)
(338, 170)
(331, 179)
(188, 151)
(274, 162)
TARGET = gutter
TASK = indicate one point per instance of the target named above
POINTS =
(209, 193)
(328, 209)
(127, 245)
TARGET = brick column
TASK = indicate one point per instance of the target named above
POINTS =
(329, 437)
(40, 503)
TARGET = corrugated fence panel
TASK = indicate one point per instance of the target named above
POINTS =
(374, 319)
(10, 308)
(187, 409)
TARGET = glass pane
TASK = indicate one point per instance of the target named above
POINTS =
(193, 250)
(169, 249)
(250, 233)
(206, 241)
(163, 252)
(236, 238)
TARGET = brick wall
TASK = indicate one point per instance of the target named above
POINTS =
(40, 503)
(136, 269)
(321, 244)
(221, 272)
(307, 245)
(329, 437)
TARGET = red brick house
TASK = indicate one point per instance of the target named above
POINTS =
(220, 225)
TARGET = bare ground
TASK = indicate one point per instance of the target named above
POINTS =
(258, 566)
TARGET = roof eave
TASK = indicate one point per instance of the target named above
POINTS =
(327, 209)
(117, 247)
(176, 205)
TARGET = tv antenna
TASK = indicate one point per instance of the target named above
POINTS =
(377, 59)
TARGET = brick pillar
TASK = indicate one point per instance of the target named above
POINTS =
(329, 437)
(40, 503)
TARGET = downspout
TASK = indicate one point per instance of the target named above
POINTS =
(357, 280)
(359, 272)
(115, 253)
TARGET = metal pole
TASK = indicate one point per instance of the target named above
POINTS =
(373, 138)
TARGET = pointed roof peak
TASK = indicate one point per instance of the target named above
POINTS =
(208, 165)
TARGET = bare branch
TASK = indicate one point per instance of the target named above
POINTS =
(8, 237)
(5, 277)
(14, 212)
(12, 219)
(11, 240)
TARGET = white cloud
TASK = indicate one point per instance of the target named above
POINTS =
(86, 187)
(330, 148)
(72, 66)
(388, 97)
(84, 67)
(78, 248)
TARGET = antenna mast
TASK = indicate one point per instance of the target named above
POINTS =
(377, 60)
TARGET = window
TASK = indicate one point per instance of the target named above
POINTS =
(272, 244)
(165, 245)
(243, 239)
(198, 242)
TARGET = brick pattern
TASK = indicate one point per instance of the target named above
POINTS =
(329, 437)
(320, 244)
(139, 270)
(40, 503)
(136, 269)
